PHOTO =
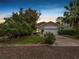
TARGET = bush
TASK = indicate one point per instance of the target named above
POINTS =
(49, 38)
(2, 32)
(72, 33)
(67, 32)
(77, 35)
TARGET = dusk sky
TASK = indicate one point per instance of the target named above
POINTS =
(49, 8)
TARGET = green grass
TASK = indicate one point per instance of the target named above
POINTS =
(28, 40)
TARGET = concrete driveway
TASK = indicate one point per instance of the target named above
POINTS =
(65, 41)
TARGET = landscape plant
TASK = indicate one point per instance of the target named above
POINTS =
(49, 38)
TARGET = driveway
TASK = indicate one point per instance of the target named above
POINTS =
(65, 41)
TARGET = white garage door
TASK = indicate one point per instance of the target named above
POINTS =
(51, 30)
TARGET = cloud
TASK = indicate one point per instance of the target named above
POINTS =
(46, 19)
(2, 19)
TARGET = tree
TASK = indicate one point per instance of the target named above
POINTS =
(71, 15)
(32, 17)
(22, 23)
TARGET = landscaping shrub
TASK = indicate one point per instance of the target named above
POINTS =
(72, 33)
(49, 38)
(77, 35)
(67, 32)
(2, 32)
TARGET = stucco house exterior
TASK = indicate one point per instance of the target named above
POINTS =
(44, 27)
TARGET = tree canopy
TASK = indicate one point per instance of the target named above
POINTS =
(71, 15)
(20, 23)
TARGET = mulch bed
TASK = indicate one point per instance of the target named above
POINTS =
(39, 52)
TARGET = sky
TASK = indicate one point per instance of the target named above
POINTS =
(50, 9)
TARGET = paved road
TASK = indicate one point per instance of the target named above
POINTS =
(39, 52)
(65, 41)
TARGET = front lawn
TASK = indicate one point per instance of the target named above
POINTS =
(30, 40)
(34, 39)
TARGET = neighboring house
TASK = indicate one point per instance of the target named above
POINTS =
(44, 27)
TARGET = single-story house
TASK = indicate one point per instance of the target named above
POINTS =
(44, 27)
